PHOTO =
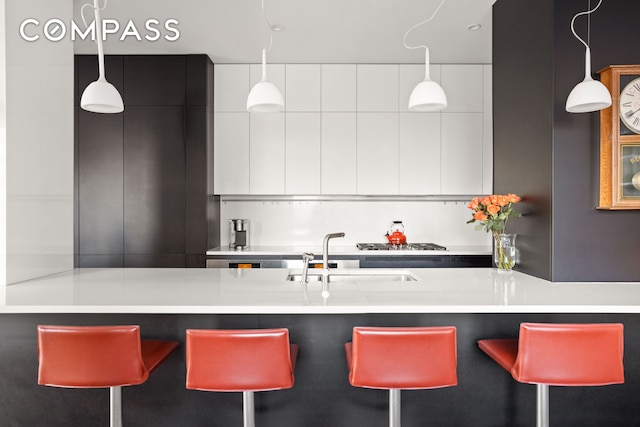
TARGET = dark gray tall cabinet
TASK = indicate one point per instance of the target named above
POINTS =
(144, 193)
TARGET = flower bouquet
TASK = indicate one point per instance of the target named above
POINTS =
(492, 213)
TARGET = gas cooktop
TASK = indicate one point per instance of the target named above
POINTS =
(406, 247)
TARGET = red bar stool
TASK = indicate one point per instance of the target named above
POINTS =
(240, 361)
(560, 355)
(98, 357)
(402, 358)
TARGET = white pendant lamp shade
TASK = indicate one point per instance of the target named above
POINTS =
(264, 96)
(427, 95)
(101, 96)
(588, 95)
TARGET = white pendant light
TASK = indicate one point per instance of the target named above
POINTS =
(427, 95)
(264, 96)
(588, 95)
(100, 96)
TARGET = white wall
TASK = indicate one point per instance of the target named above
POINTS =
(3, 155)
(39, 144)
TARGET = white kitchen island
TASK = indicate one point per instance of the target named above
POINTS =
(265, 291)
(480, 303)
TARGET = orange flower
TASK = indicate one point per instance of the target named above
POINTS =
(513, 198)
(503, 200)
(473, 204)
(485, 200)
(493, 209)
(480, 216)
(494, 198)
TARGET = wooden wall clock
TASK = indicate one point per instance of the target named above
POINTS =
(620, 139)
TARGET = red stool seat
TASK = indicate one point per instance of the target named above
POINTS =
(98, 357)
(561, 355)
(240, 361)
(402, 358)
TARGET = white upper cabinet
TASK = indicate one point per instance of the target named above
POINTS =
(231, 153)
(377, 157)
(377, 88)
(230, 88)
(303, 153)
(339, 153)
(346, 129)
(303, 87)
(461, 158)
(419, 153)
(463, 85)
(339, 87)
(487, 131)
(266, 153)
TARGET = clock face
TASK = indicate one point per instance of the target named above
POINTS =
(630, 105)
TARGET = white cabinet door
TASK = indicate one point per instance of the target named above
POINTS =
(303, 153)
(266, 157)
(461, 156)
(231, 153)
(377, 158)
(231, 87)
(303, 87)
(338, 87)
(487, 132)
(463, 85)
(419, 154)
(377, 87)
(339, 153)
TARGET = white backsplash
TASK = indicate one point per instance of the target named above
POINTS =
(304, 223)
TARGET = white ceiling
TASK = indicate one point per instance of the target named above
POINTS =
(316, 31)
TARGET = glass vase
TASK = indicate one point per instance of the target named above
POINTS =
(504, 251)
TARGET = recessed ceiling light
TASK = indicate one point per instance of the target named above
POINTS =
(474, 27)
(277, 27)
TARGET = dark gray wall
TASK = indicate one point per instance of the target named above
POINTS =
(143, 196)
(549, 156)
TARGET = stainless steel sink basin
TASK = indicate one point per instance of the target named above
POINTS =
(357, 275)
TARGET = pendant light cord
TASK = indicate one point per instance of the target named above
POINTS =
(404, 39)
(587, 12)
(90, 5)
(264, 15)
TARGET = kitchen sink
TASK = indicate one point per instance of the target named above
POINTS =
(357, 275)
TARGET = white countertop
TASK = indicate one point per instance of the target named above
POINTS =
(350, 250)
(265, 291)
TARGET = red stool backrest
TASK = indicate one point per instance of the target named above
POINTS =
(570, 354)
(90, 356)
(239, 360)
(403, 358)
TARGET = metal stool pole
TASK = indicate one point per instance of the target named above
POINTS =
(394, 408)
(115, 406)
(542, 405)
(248, 410)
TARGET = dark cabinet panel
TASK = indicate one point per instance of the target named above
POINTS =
(155, 261)
(154, 80)
(99, 183)
(143, 177)
(196, 183)
(154, 180)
